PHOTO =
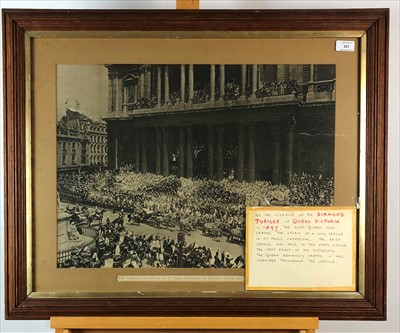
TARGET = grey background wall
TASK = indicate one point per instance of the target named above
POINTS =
(392, 324)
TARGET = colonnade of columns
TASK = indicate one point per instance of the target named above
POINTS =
(118, 96)
(161, 83)
(245, 168)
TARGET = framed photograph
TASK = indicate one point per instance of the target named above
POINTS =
(135, 140)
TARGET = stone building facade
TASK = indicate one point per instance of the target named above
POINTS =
(97, 148)
(81, 142)
(248, 122)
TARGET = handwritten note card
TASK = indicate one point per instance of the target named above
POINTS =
(298, 248)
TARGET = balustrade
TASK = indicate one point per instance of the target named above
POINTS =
(219, 88)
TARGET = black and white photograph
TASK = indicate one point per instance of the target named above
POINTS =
(156, 163)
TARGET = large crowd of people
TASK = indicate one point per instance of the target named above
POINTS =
(202, 94)
(118, 247)
(267, 89)
(217, 208)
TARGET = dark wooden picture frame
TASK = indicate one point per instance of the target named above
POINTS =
(366, 304)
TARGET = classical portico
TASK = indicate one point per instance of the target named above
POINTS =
(219, 121)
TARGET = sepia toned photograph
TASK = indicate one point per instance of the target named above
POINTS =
(136, 140)
(157, 163)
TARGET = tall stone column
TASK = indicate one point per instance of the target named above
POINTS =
(135, 99)
(220, 152)
(212, 83)
(189, 152)
(282, 72)
(222, 81)
(298, 148)
(125, 99)
(299, 74)
(181, 152)
(240, 158)
(166, 84)
(165, 152)
(251, 159)
(210, 152)
(110, 93)
(183, 83)
(276, 162)
(158, 85)
(118, 95)
(243, 82)
(137, 150)
(116, 162)
(288, 172)
(158, 150)
(312, 79)
(141, 87)
(191, 83)
(310, 87)
(144, 151)
(254, 80)
(148, 82)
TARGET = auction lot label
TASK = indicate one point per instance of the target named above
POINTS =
(301, 248)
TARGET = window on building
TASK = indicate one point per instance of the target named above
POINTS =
(324, 72)
(130, 83)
